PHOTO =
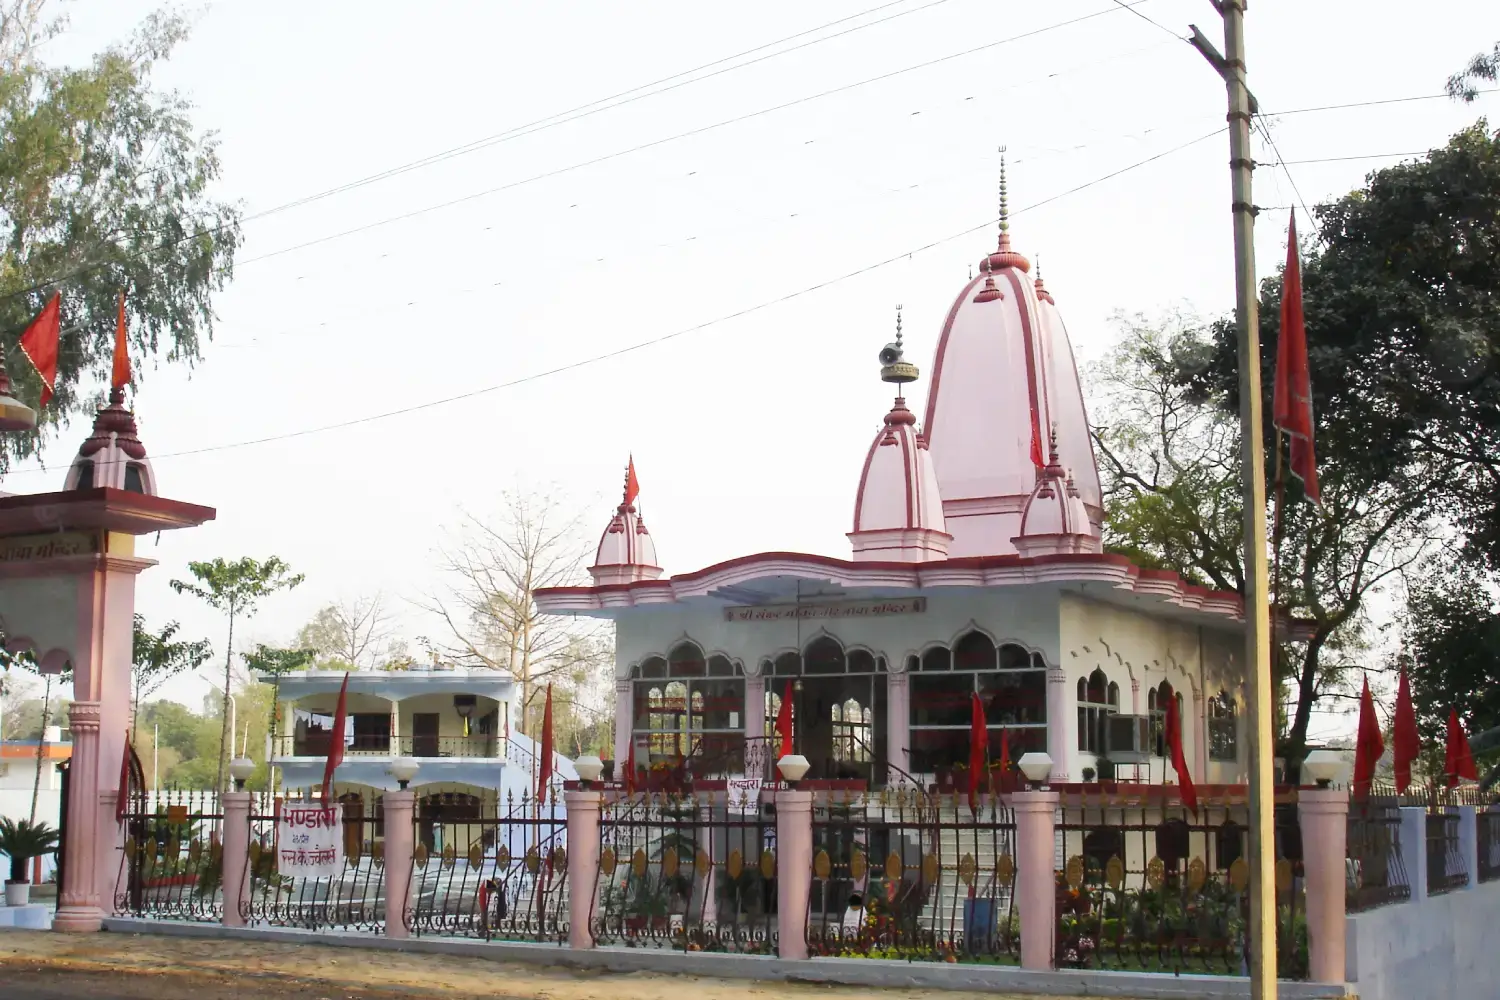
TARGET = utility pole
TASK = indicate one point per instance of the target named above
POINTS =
(1262, 929)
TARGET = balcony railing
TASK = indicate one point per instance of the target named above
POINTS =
(317, 744)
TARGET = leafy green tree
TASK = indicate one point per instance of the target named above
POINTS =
(235, 589)
(1451, 638)
(158, 657)
(1483, 68)
(277, 662)
(103, 187)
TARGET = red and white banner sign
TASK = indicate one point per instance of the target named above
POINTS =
(310, 841)
(827, 612)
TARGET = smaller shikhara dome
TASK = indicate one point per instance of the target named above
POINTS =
(113, 455)
(898, 511)
(626, 551)
(1055, 520)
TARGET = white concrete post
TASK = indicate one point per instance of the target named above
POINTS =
(1414, 850)
(1468, 844)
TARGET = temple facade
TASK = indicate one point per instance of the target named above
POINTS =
(975, 567)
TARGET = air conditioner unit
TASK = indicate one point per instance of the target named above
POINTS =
(1127, 738)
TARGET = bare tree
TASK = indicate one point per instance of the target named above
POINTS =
(357, 632)
(495, 568)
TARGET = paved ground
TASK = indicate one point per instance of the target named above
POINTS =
(46, 966)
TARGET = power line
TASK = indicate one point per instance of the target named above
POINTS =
(1367, 104)
(1345, 159)
(685, 331)
(86, 268)
(1132, 7)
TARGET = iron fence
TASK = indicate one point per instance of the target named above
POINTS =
(1487, 833)
(499, 877)
(172, 862)
(1446, 866)
(354, 899)
(1144, 886)
(914, 875)
(688, 871)
(1375, 869)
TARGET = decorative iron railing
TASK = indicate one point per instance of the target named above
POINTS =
(1153, 888)
(1376, 869)
(501, 877)
(686, 871)
(913, 875)
(316, 745)
(1446, 866)
(1487, 821)
(354, 899)
(172, 862)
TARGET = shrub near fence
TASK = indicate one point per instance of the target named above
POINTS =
(507, 880)
(352, 900)
(913, 875)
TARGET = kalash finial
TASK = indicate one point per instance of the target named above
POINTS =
(893, 364)
(1004, 256)
(1041, 289)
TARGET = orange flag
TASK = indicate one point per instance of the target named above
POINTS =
(1460, 759)
(336, 739)
(784, 724)
(1179, 758)
(1291, 404)
(1406, 743)
(40, 343)
(632, 485)
(979, 747)
(120, 377)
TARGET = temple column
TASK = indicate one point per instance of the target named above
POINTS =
(897, 724)
(1200, 733)
(1036, 885)
(78, 898)
(583, 809)
(1324, 816)
(1059, 724)
(755, 724)
(794, 855)
(111, 851)
(235, 880)
(624, 724)
(400, 848)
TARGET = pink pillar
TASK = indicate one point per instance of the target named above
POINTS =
(755, 710)
(78, 909)
(1200, 734)
(583, 863)
(1036, 899)
(111, 852)
(1060, 723)
(793, 870)
(400, 845)
(898, 723)
(236, 852)
(1324, 815)
(624, 723)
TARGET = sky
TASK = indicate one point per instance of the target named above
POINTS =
(700, 276)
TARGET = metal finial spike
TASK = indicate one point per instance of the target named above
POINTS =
(898, 325)
(1004, 201)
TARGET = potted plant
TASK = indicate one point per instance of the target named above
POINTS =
(23, 841)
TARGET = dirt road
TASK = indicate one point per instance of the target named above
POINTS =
(45, 966)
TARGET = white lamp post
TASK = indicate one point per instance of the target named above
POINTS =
(240, 770)
(1322, 766)
(403, 769)
(792, 767)
(1037, 767)
(589, 767)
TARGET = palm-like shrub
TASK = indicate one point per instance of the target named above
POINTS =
(23, 840)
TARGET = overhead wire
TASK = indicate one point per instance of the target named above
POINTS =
(676, 334)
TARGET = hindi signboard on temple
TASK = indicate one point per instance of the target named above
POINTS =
(309, 841)
(825, 612)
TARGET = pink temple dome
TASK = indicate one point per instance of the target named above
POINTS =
(626, 550)
(1054, 520)
(113, 455)
(898, 511)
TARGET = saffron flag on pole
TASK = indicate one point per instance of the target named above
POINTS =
(979, 745)
(39, 343)
(632, 485)
(120, 377)
(1179, 758)
(784, 724)
(1459, 759)
(1291, 402)
(335, 739)
(544, 767)
(1369, 744)
(1406, 742)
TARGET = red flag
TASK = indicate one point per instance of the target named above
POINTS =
(1179, 759)
(544, 768)
(784, 744)
(630, 767)
(1459, 759)
(1291, 404)
(979, 745)
(39, 344)
(632, 485)
(1406, 743)
(1369, 744)
(336, 739)
(120, 376)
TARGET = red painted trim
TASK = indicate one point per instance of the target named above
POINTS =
(937, 358)
(1036, 391)
(906, 473)
(102, 507)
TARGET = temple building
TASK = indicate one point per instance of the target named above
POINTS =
(975, 567)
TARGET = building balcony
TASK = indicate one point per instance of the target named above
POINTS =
(316, 745)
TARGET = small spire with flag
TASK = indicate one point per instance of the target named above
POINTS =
(632, 485)
(121, 375)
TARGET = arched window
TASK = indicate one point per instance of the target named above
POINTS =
(1156, 701)
(688, 705)
(1094, 706)
(1011, 682)
(1223, 730)
(852, 732)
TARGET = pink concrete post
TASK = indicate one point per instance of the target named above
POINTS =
(1036, 892)
(793, 870)
(1324, 816)
(624, 725)
(78, 909)
(400, 846)
(111, 852)
(236, 854)
(583, 863)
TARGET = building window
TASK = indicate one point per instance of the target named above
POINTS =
(688, 707)
(1223, 733)
(1098, 698)
(1011, 682)
(853, 732)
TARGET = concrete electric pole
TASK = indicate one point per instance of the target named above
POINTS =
(1262, 929)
